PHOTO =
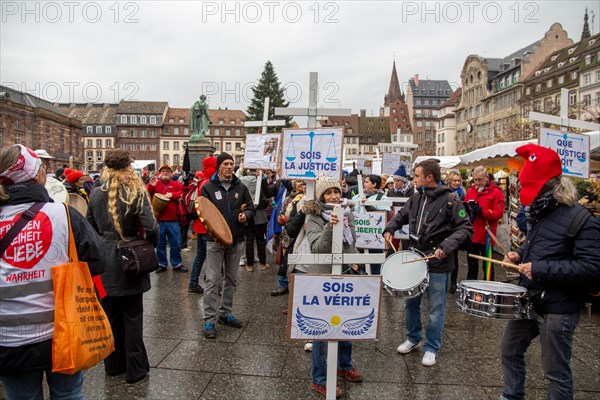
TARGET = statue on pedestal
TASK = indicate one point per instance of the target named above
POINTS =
(199, 120)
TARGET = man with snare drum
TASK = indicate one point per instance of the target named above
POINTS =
(438, 225)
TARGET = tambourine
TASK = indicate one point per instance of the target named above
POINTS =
(213, 221)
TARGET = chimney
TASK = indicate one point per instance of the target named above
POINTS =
(416, 79)
(363, 112)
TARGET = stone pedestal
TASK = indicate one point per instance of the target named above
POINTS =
(198, 151)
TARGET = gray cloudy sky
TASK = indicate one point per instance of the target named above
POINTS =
(173, 51)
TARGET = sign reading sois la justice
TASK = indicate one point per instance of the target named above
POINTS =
(308, 153)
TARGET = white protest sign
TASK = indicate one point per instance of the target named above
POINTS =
(364, 166)
(262, 151)
(393, 161)
(376, 168)
(334, 307)
(402, 233)
(572, 148)
(308, 153)
(369, 228)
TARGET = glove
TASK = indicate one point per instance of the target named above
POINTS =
(475, 209)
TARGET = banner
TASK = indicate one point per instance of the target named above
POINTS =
(308, 153)
(262, 151)
(572, 148)
(369, 228)
(334, 307)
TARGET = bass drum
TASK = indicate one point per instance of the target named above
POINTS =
(78, 203)
(405, 279)
(56, 190)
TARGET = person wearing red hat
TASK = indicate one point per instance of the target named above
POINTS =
(209, 167)
(74, 182)
(557, 267)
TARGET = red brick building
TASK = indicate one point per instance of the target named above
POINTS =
(139, 128)
(38, 124)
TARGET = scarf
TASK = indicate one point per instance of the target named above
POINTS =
(539, 206)
(326, 215)
(405, 187)
(459, 191)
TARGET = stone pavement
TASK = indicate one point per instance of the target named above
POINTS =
(257, 362)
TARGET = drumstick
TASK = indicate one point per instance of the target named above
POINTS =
(392, 244)
(509, 265)
(487, 228)
(418, 259)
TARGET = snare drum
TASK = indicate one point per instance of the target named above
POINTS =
(405, 280)
(493, 300)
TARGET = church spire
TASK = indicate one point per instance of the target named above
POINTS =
(586, 27)
(394, 94)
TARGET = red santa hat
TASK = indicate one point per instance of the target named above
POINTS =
(541, 165)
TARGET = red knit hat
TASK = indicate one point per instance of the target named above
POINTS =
(209, 167)
(71, 175)
(541, 165)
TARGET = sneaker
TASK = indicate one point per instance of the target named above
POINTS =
(181, 268)
(161, 269)
(407, 347)
(186, 249)
(352, 375)
(232, 321)
(322, 389)
(308, 347)
(280, 291)
(242, 261)
(264, 266)
(249, 268)
(209, 330)
(195, 289)
(428, 359)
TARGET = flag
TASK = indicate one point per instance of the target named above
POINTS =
(488, 253)
(274, 228)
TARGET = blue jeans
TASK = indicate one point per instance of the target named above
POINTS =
(319, 360)
(556, 336)
(169, 230)
(436, 295)
(199, 259)
(283, 281)
(28, 386)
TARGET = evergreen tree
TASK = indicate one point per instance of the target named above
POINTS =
(267, 86)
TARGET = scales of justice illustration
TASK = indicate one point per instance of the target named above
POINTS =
(330, 156)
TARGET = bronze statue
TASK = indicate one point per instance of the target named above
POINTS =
(199, 121)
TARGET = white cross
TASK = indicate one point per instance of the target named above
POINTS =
(336, 259)
(312, 112)
(563, 120)
(264, 124)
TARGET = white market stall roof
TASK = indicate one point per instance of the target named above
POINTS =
(141, 164)
(500, 151)
(445, 161)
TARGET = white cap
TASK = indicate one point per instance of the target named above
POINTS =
(44, 154)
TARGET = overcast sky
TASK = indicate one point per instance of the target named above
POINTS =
(176, 50)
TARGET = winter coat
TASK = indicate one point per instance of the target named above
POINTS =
(89, 246)
(116, 282)
(491, 201)
(320, 235)
(171, 211)
(562, 268)
(229, 202)
(448, 229)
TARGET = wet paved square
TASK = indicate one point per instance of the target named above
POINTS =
(257, 362)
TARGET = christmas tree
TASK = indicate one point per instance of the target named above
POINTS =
(267, 86)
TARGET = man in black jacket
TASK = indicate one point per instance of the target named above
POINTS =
(234, 201)
(438, 224)
(557, 267)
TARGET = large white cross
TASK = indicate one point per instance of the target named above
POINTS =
(335, 259)
(563, 120)
(312, 112)
(264, 124)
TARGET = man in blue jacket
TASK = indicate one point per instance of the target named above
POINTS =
(556, 269)
(233, 200)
